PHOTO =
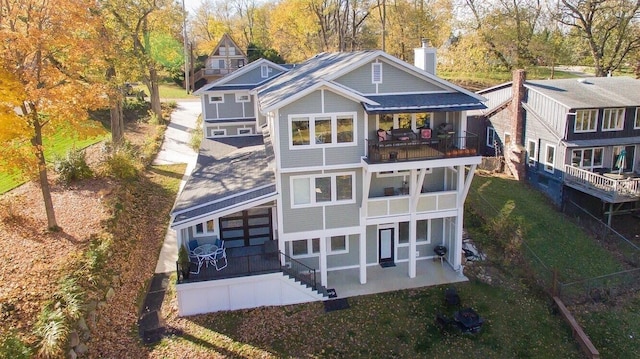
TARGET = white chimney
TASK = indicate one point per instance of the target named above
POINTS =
(425, 57)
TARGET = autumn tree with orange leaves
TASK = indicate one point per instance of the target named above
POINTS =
(49, 80)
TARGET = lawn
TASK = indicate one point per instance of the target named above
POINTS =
(559, 243)
(398, 324)
(56, 145)
(167, 91)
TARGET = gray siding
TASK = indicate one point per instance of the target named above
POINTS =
(497, 97)
(253, 77)
(229, 109)
(345, 215)
(346, 259)
(372, 244)
(232, 129)
(552, 112)
(336, 103)
(359, 79)
(301, 219)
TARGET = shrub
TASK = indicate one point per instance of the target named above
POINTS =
(52, 330)
(196, 135)
(12, 347)
(72, 167)
(122, 163)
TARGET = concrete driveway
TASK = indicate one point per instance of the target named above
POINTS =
(176, 149)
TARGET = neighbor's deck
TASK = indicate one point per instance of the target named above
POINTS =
(610, 187)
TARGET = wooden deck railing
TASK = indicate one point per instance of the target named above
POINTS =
(614, 188)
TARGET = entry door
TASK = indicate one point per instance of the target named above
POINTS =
(385, 239)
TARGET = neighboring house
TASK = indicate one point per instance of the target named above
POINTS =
(319, 174)
(573, 139)
(225, 58)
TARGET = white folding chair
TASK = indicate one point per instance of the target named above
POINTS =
(219, 255)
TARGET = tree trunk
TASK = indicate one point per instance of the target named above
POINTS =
(36, 141)
(117, 122)
(154, 92)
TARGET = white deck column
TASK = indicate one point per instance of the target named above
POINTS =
(456, 251)
(414, 192)
(363, 255)
(323, 261)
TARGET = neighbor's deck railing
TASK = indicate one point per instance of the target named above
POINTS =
(615, 189)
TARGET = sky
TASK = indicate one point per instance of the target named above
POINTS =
(191, 5)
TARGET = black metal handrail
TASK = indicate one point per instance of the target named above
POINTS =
(300, 271)
(419, 149)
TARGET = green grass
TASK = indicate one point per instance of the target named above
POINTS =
(390, 325)
(558, 242)
(56, 145)
(167, 91)
(479, 80)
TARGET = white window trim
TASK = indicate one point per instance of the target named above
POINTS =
(593, 150)
(374, 66)
(211, 101)
(310, 253)
(636, 120)
(595, 124)
(205, 231)
(264, 71)
(338, 251)
(334, 192)
(492, 130)
(418, 242)
(245, 131)
(334, 130)
(605, 119)
(213, 130)
(399, 173)
(242, 94)
(547, 164)
(531, 157)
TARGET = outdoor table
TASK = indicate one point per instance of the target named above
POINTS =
(468, 320)
(205, 253)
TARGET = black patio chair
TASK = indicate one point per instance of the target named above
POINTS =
(451, 297)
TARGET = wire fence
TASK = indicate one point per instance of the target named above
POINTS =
(601, 288)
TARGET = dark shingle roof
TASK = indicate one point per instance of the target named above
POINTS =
(423, 103)
(227, 170)
(592, 92)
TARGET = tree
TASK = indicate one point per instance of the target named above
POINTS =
(47, 69)
(609, 28)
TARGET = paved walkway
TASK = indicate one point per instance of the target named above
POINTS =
(175, 149)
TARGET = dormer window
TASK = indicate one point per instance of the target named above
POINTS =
(586, 121)
(376, 73)
(613, 119)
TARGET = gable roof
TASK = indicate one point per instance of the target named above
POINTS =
(304, 78)
(592, 92)
(221, 83)
(226, 37)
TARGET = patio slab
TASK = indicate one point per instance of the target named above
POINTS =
(428, 273)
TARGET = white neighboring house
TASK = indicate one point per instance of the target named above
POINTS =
(313, 172)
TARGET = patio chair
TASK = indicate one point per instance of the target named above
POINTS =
(451, 297)
(218, 256)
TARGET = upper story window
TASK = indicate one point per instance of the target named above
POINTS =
(586, 121)
(613, 119)
(532, 152)
(636, 123)
(322, 189)
(550, 158)
(376, 73)
(216, 98)
(492, 138)
(265, 71)
(242, 97)
(321, 130)
(413, 121)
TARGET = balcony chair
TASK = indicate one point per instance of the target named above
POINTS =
(218, 256)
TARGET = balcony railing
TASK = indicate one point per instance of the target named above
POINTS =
(442, 146)
(611, 186)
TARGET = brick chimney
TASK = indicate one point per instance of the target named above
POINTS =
(514, 152)
(425, 57)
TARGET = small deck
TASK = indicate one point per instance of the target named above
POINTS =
(609, 187)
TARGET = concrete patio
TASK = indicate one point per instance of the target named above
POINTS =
(428, 273)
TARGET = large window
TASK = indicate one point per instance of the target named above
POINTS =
(586, 121)
(623, 158)
(550, 158)
(423, 234)
(322, 130)
(613, 119)
(337, 244)
(532, 152)
(587, 158)
(413, 121)
(320, 189)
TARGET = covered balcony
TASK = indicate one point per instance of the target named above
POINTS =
(405, 145)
